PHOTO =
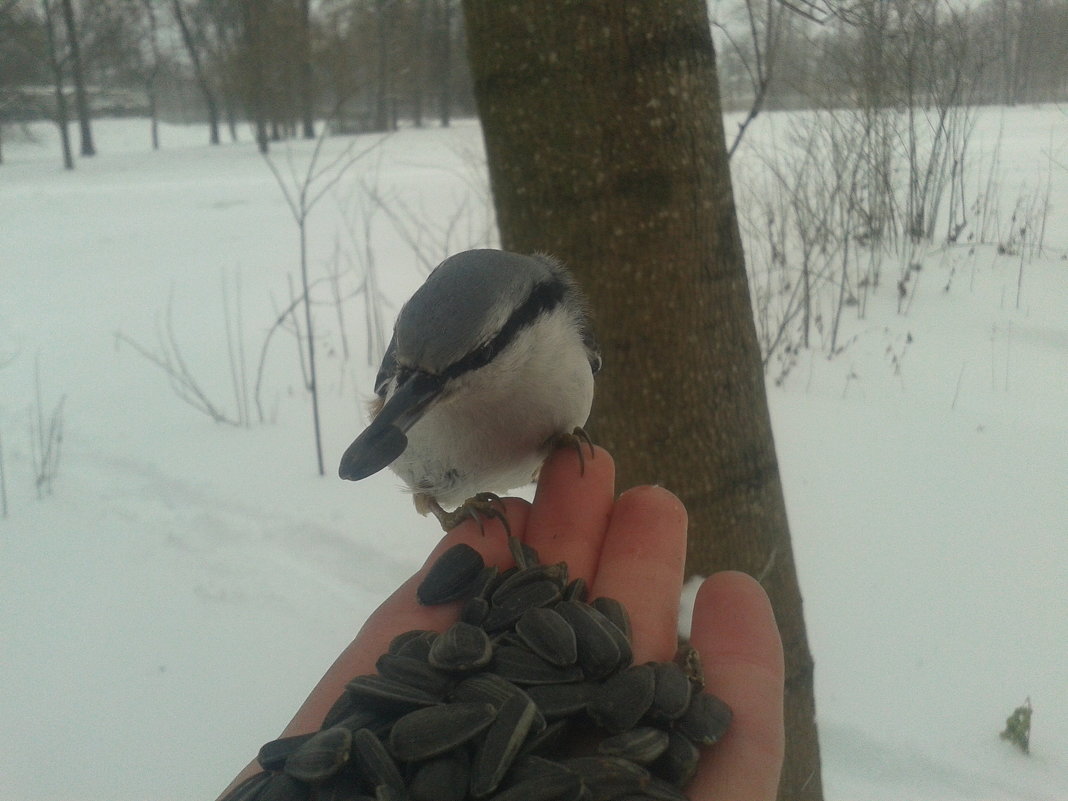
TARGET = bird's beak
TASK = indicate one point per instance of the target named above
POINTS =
(384, 439)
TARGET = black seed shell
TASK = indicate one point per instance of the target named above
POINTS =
(442, 779)
(501, 744)
(321, 756)
(706, 719)
(435, 730)
(452, 576)
(672, 694)
(549, 636)
(461, 647)
(641, 745)
(621, 701)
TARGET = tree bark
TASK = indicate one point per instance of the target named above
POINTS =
(198, 71)
(81, 100)
(606, 148)
(307, 76)
(444, 69)
(55, 63)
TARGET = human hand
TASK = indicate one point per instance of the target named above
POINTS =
(631, 548)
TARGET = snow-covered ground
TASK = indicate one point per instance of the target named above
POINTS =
(165, 610)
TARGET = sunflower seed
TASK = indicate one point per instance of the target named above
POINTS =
(398, 642)
(320, 756)
(273, 755)
(563, 786)
(619, 703)
(615, 612)
(598, 649)
(556, 701)
(346, 787)
(706, 719)
(641, 745)
(556, 573)
(485, 687)
(375, 763)
(520, 666)
(441, 779)
(608, 777)
(678, 764)
(461, 647)
(507, 607)
(416, 647)
(534, 767)
(501, 744)
(548, 635)
(672, 693)
(414, 673)
(475, 610)
(433, 731)
(380, 691)
(576, 590)
(548, 741)
(281, 787)
(377, 720)
(346, 705)
(452, 576)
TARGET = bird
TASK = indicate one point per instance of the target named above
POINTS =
(490, 367)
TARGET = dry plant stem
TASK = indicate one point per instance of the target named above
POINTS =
(302, 192)
(173, 364)
(45, 441)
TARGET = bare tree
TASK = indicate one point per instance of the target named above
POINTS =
(307, 75)
(606, 148)
(81, 100)
(55, 62)
(193, 49)
(151, 63)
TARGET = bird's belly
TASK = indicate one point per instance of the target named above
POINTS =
(491, 433)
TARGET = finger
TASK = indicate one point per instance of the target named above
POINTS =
(402, 612)
(641, 565)
(735, 633)
(571, 508)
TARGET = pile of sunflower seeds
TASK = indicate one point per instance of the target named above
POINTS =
(531, 696)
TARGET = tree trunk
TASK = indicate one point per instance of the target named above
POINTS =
(198, 71)
(81, 100)
(445, 64)
(55, 63)
(606, 148)
(255, 71)
(307, 78)
(422, 74)
(382, 88)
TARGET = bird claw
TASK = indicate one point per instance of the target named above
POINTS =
(576, 439)
(479, 507)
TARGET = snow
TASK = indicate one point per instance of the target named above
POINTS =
(167, 608)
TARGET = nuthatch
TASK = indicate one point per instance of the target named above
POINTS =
(491, 365)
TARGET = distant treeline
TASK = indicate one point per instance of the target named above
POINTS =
(370, 64)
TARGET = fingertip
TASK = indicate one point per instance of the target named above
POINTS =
(733, 609)
(734, 632)
(652, 499)
(591, 464)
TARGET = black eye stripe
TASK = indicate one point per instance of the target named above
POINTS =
(544, 297)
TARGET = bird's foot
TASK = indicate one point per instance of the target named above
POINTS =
(576, 439)
(480, 507)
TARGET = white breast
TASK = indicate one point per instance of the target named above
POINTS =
(489, 432)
